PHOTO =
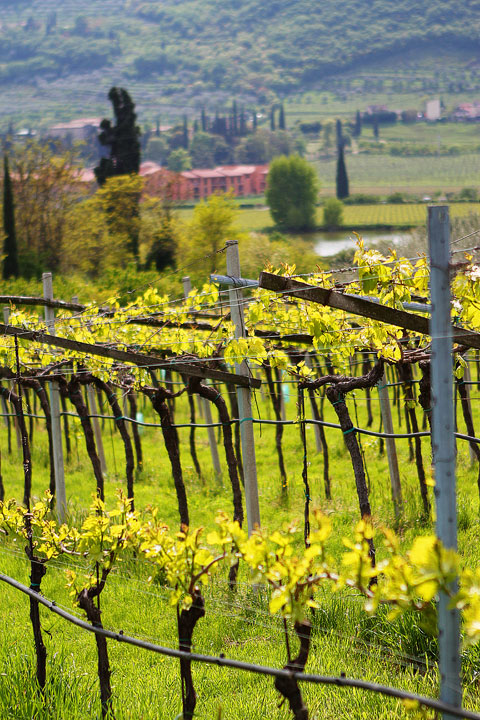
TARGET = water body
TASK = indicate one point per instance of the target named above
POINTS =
(327, 244)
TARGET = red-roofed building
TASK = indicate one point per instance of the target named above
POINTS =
(241, 179)
(197, 184)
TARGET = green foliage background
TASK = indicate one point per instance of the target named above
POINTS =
(196, 47)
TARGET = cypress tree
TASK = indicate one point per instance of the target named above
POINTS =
(358, 124)
(342, 177)
(339, 133)
(10, 263)
(375, 128)
(122, 139)
(254, 120)
(243, 125)
(235, 118)
(204, 121)
(185, 132)
(157, 129)
(272, 119)
(281, 118)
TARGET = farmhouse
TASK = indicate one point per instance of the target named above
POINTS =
(242, 179)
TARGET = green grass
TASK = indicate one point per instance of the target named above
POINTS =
(398, 215)
(147, 686)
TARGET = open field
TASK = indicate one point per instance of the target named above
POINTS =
(147, 686)
(385, 174)
(363, 216)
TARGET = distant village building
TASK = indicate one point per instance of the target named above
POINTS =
(80, 129)
(241, 179)
(433, 110)
(468, 111)
(197, 184)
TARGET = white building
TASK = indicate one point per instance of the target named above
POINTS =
(76, 129)
(433, 110)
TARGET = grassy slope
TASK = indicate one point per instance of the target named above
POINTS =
(198, 50)
(147, 686)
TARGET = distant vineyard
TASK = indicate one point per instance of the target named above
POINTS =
(410, 215)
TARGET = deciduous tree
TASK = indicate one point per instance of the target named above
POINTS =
(292, 189)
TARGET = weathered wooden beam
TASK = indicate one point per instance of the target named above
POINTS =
(359, 306)
(128, 356)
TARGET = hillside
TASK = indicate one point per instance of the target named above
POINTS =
(205, 51)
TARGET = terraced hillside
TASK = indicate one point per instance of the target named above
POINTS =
(59, 57)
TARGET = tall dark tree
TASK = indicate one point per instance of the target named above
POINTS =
(339, 130)
(10, 263)
(235, 118)
(376, 132)
(185, 132)
(342, 177)
(255, 121)
(204, 121)
(121, 139)
(243, 123)
(195, 126)
(157, 128)
(272, 119)
(281, 118)
(358, 124)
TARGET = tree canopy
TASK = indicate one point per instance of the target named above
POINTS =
(292, 189)
(121, 139)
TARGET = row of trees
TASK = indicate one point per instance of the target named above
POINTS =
(225, 138)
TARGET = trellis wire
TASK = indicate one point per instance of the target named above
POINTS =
(222, 661)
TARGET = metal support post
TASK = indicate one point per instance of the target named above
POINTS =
(391, 448)
(244, 396)
(18, 435)
(92, 403)
(212, 440)
(187, 288)
(443, 442)
(316, 428)
(61, 499)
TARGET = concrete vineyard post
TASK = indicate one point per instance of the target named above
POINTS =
(443, 442)
(6, 318)
(391, 448)
(204, 408)
(212, 440)
(244, 395)
(318, 440)
(468, 377)
(92, 403)
(60, 493)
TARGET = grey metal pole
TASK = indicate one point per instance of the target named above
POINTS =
(61, 499)
(18, 435)
(391, 449)
(212, 440)
(244, 396)
(92, 402)
(443, 442)
(318, 439)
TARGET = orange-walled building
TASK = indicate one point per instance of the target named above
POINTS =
(197, 184)
(241, 179)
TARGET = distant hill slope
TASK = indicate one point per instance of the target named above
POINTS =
(247, 48)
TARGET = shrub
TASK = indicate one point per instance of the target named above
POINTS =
(333, 213)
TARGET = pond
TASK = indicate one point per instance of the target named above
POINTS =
(327, 244)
